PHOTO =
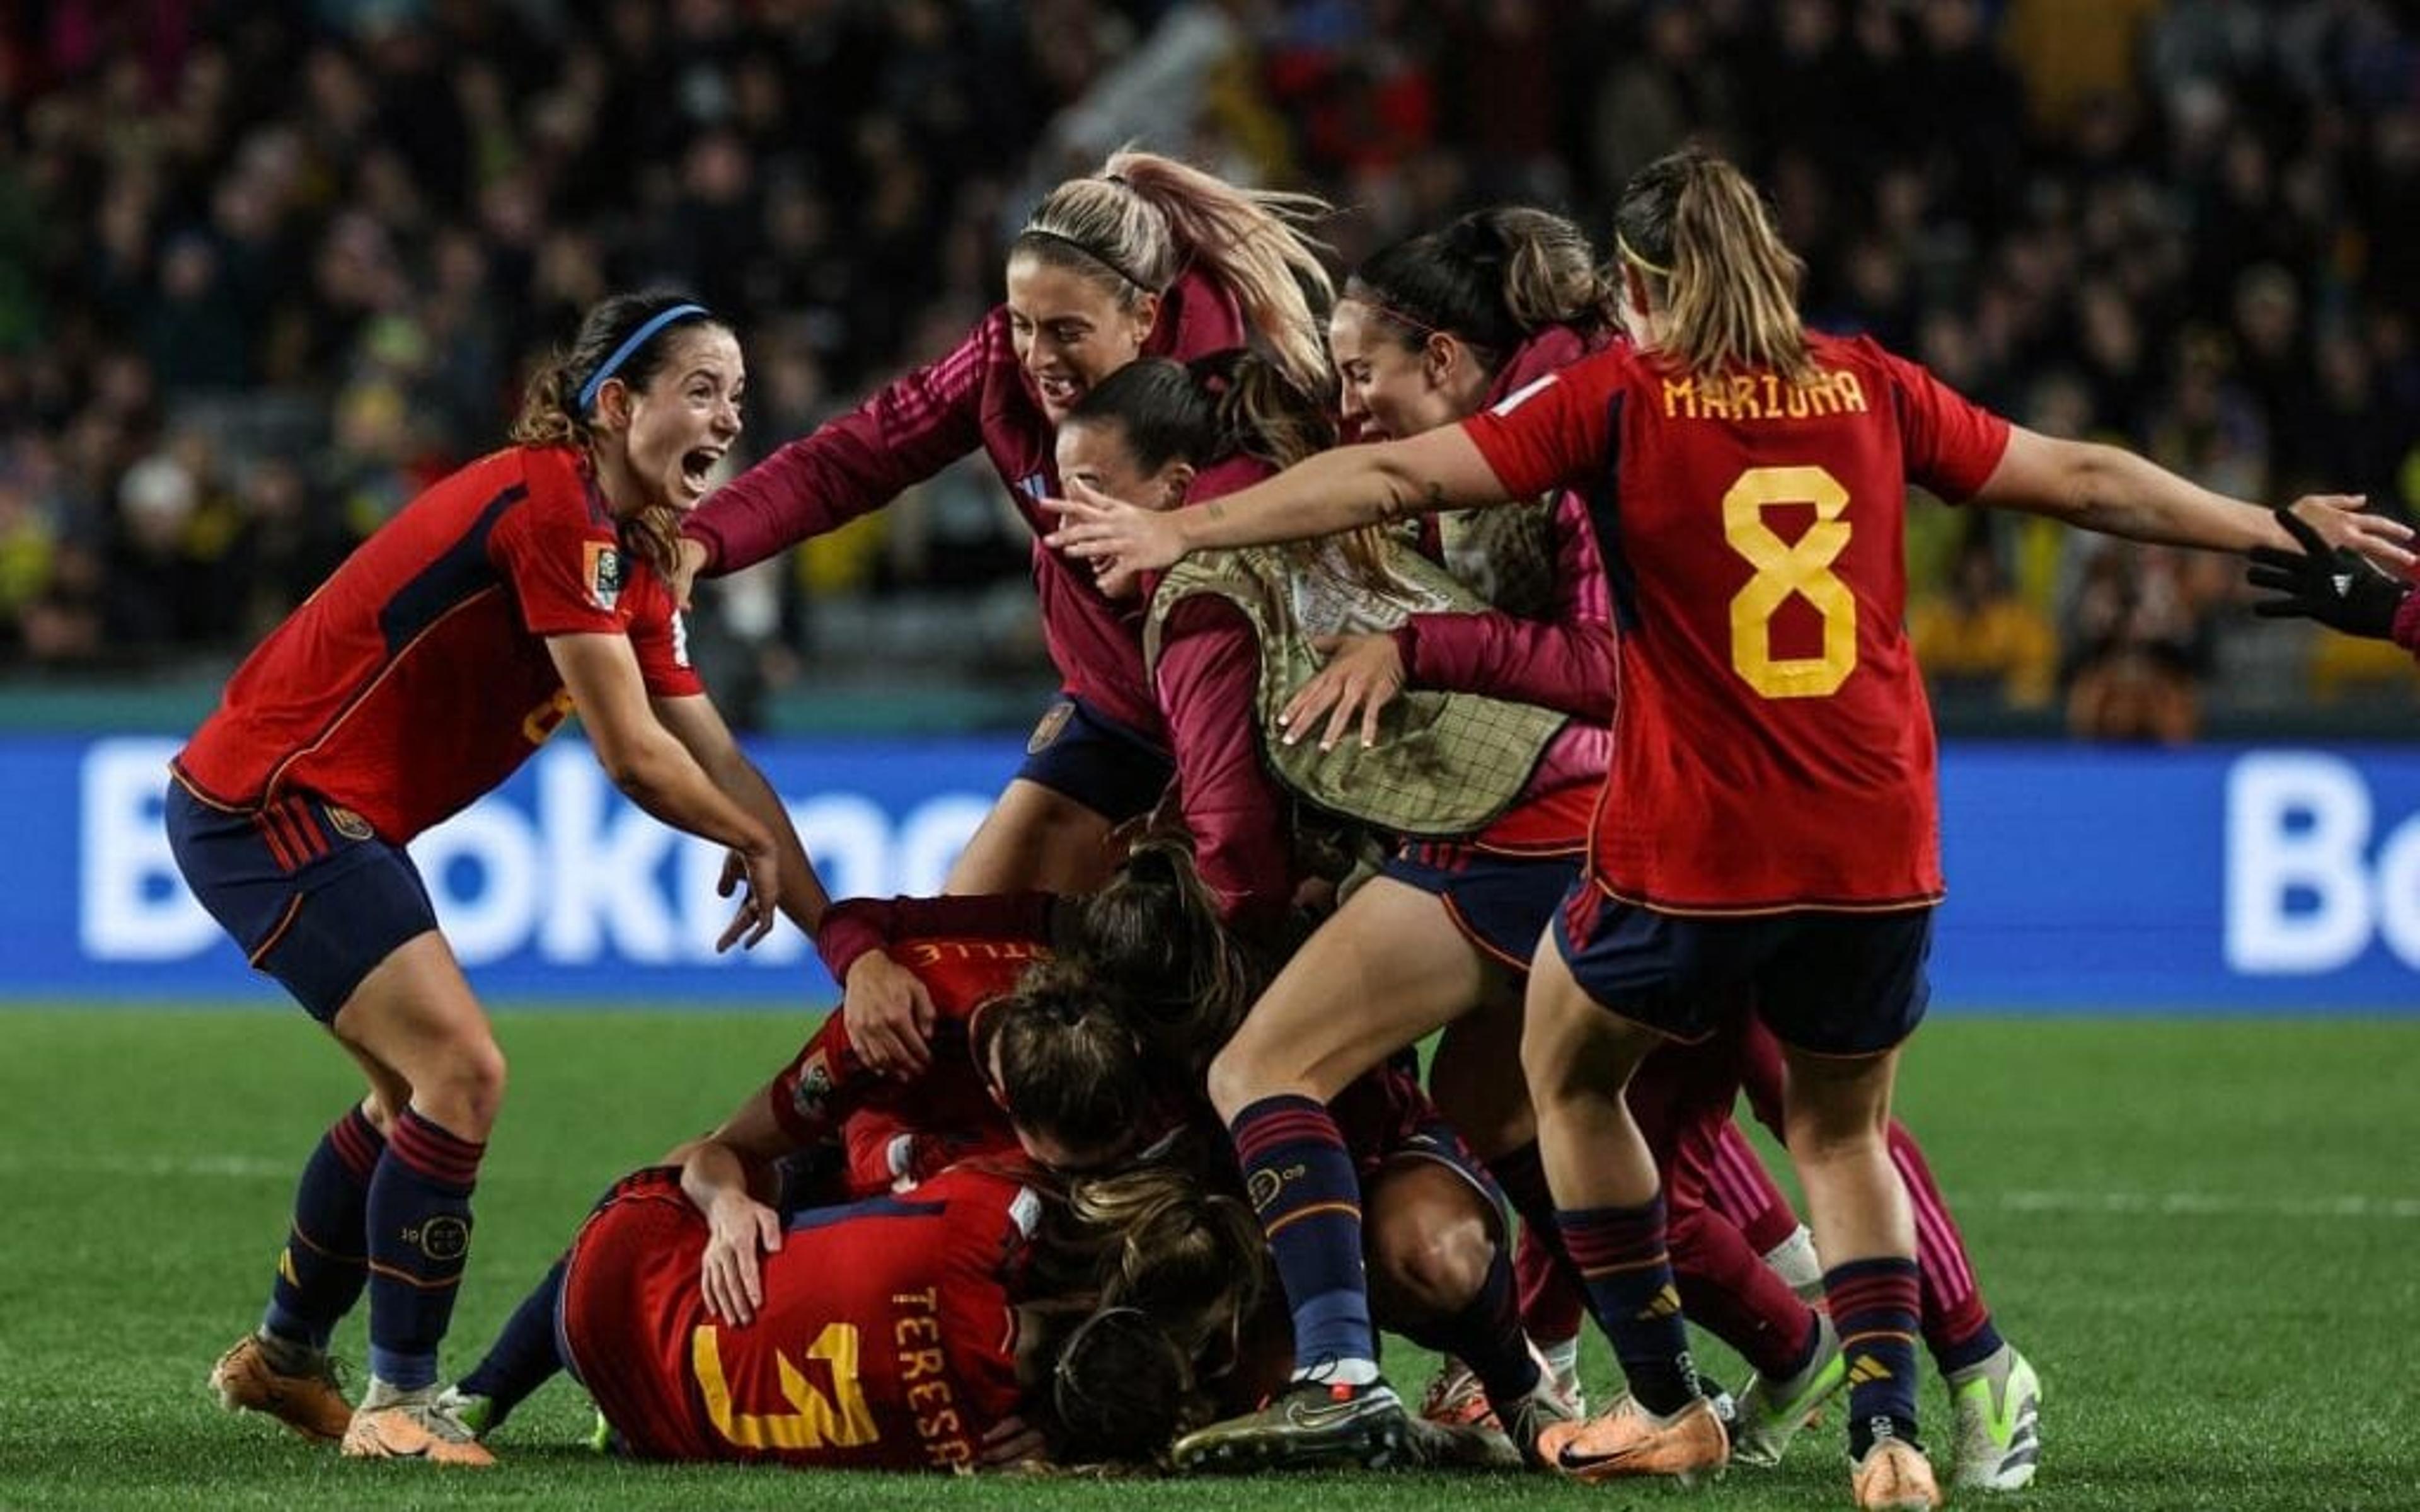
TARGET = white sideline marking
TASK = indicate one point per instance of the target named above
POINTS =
(2205, 1204)
(2142, 1204)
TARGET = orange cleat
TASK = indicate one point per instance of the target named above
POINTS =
(1627, 1440)
(309, 1402)
(411, 1426)
(1894, 1476)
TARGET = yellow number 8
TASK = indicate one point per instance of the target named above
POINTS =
(1786, 568)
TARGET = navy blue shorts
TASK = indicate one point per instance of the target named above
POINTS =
(1079, 753)
(314, 897)
(1502, 903)
(1832, 984)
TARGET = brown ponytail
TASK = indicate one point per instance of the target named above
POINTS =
(1700, 233)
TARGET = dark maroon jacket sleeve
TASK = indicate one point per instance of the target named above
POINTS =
(1565, 663)
(2407, 623)
(855, 463)
(856, 925)
(1207, 679)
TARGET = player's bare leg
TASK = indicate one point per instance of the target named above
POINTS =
(1579, 1060)
(1035, 839)
(1837, 1121)
(1387, 969)
(416, 1016)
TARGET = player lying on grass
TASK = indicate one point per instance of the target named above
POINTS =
(524, 589)
(1771, 840)
(981, 1311)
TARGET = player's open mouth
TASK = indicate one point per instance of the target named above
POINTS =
(1058, 393)
(697, 466)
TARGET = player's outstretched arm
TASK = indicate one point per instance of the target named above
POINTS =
(698, 725)
(658, 773)
(2111, 491)
(1337, 490)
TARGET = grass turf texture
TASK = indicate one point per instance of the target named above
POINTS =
(2203, 1234)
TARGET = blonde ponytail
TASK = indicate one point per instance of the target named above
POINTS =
(1701, 234)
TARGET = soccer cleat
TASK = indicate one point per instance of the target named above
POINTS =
(1311, 1424)
(1525, 1420)
(1454, 1397)
(1999, 1409)
(473, 1412)
(1627, 1440)
(1770, 1413)
(308, 1400)
(1467, 1447)
(411, 1424)
(1894, 1476)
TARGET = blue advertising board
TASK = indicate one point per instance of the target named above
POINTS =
(2082, 879)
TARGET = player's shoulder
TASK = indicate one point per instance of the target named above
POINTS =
(989, 1199)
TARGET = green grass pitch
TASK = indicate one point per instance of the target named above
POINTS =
(2206, 1233)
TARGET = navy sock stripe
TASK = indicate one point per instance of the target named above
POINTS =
(1634, 1298)
(1308, 1198)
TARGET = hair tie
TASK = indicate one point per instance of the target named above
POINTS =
(1630, 254)
(630, 343)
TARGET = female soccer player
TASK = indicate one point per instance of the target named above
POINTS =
(1770, 832)
(904, 1333)
(1149, 256)
(524, 589)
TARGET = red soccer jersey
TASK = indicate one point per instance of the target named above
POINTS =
(966, 951)
(887, 1340)
(417, 677)
(1773, 748)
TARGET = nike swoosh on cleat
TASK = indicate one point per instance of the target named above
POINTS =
(1564, 1458)
(1317, 1418)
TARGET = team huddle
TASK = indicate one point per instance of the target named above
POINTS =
(1504, 647)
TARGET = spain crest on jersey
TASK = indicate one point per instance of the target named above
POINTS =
(601, 570)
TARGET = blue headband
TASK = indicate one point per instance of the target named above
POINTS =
(622, 354)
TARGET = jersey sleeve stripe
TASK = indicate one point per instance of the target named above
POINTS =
(457, 575)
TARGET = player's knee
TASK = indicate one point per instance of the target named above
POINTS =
(1237, 1077)
(1431, 1269)
(468, 1089)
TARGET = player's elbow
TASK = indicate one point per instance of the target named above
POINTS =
(636, 767)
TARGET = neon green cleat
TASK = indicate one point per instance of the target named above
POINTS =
(1770, 1413)
(1999, 1409)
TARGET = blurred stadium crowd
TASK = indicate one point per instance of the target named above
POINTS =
(269, 266)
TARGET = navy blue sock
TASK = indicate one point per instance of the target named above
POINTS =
(1874, 1305)
(1621, 1257)
(524, 1357)
(1972, 1351)
(420, 1238)
(1486, 1335)
(1308, 1201)
(322, 1268)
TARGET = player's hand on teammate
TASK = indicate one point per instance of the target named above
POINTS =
(1364, 673)
(756, 875)
(2332, 583)
(1121, 541)
(2340, 520)
(688, 559)
(739, 1228)
(889, 1015)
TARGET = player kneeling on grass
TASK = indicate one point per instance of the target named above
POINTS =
(519, 590)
